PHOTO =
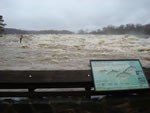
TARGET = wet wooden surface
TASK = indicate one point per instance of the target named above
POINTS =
(45, 79)
(45, 76)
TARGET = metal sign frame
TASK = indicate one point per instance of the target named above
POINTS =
(116, 90)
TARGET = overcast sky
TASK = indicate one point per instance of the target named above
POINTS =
(73, 14)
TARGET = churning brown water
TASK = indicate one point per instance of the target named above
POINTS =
(54, 52)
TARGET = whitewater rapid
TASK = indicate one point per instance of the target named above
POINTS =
(67, 52)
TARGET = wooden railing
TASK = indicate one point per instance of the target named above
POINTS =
(79, 81)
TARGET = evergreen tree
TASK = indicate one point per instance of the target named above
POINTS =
(2, 24)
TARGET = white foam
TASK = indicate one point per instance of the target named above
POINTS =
(69, 51)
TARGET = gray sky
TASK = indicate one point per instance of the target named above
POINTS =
(73, 14)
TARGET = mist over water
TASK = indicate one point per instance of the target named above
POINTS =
(55, 52)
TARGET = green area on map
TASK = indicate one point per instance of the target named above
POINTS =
(118, 75)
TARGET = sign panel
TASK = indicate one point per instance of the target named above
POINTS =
(118, 75)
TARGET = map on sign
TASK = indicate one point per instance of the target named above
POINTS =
(118, 75)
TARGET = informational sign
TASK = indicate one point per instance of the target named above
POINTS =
(118, 75)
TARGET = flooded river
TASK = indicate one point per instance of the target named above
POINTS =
(67, 52)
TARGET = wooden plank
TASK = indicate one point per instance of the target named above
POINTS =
(45, 79)
(33, 76)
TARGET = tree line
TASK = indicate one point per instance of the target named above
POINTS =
(122, 29)
(18, 31)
